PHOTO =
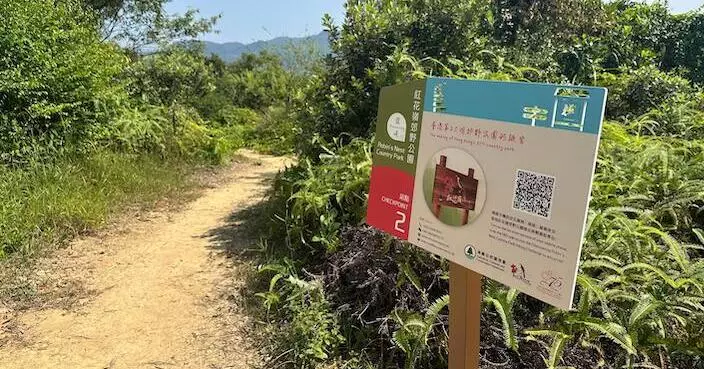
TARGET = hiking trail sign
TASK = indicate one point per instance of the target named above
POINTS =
(493, 176)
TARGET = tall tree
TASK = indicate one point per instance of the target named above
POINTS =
(137, 24)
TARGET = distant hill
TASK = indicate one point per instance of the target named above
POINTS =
(281, 45)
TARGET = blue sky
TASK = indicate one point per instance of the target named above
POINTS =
(247, 21)
(253, 20)
(680, 6)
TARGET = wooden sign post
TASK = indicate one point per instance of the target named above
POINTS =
(465, 312)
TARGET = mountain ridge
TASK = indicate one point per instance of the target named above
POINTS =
(231, 51)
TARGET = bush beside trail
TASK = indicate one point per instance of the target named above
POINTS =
(89, 126)
(354, 298)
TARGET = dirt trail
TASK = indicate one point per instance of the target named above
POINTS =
(160, 291)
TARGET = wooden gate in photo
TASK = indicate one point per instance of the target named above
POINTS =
(454, 190)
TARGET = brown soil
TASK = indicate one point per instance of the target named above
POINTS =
(156, 294)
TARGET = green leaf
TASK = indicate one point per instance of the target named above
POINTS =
(273, 281)
(559, 340)
(556, 349)
(595, 264)
(505, 310)
(302, 284)
(677, 252)
(591, 287)
(646, 306)
(434, 310)
(616, 332)
(676, 284)
(699, 234)
(695, 302)
(411, 275)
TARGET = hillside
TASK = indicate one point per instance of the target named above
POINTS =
(232, 50)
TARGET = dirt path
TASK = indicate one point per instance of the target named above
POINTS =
(159, 291)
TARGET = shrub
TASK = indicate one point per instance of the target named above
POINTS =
(307, 331)
(640, 295)
(278, 131)
(175, 74)
(179, 132)
(635, 92)
(255, 81)
(313, 201)
(343, 98)
(58, 81)
(686, 45)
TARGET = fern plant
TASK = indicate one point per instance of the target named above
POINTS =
(503, 300)
(312, 333)
(555, 348)
(414, 330)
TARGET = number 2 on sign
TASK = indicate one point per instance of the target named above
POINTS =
(400, 222)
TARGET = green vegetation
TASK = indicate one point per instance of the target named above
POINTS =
(101, 108)
(48, 203)
(374, 302)
(57, 86)
(107, 104)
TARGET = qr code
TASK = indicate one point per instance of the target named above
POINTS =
(534, 193)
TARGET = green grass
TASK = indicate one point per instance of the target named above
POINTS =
(48, 203)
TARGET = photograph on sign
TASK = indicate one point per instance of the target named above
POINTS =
(493, 176)
(454, 190)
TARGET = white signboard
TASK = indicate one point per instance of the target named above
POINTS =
(494, 176)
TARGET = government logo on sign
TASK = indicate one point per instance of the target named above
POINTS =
(470, 252)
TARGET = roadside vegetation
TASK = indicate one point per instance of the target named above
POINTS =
(336, 294)
(107, 104)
